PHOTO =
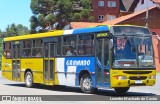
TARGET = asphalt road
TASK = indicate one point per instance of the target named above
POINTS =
(16, 88)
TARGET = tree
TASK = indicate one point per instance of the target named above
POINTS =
(50, 14)
(22, 30)
(43, 14)
(15, 30)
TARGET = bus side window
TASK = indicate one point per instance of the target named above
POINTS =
(7, 50)
(58, 47)
(37, 48)
(85, 44)
(27, 48)
(69, 45)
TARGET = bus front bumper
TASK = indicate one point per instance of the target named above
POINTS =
(129, 83)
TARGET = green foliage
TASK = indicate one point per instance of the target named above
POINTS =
(15, 30)
(85, 13)
(34, 24)
(77, 17)
(91, 19)
(50, 12)
(86, 4)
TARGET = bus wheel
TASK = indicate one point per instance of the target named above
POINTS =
(29, 79)
(121, 90)
(86, 84)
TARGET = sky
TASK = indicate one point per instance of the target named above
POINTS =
(14, 11)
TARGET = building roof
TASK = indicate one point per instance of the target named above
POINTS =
(129, 5)
(82, 24)
(157, 1)
(123, 18)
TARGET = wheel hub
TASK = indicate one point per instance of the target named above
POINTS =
(87, 83)
(28, 79)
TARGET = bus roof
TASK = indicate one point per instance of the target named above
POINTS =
(87, 30)
(129, 25)
(59, 33)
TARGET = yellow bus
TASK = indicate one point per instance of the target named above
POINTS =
(91, 58)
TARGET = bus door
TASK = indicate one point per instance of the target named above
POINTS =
(103, 63)
(16, 72)
(49, 50)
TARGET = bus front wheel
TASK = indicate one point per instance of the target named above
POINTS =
(121, 90)
(29, 79)
(86, 84)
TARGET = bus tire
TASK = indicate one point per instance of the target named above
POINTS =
(86, 84)
(29, 79)
(122, 90)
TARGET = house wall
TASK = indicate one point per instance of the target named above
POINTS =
(147, 4)
(104, 10)
(153, 23)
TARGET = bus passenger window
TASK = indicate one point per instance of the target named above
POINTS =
(7, 50)
(85, 44)
(37, 53)
(27, 48)
(58, 47)
(69, 45)
(81, 50)
(70, 51)
(37, 48)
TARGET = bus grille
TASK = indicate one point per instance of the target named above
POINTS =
(137, 72)
(137, 78)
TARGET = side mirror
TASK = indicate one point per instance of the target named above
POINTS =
(154, 33)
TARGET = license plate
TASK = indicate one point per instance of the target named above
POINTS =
(138, 81)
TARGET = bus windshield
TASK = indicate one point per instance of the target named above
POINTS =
(133, 50)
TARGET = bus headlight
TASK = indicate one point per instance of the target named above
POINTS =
(152, 77)
(120, 77)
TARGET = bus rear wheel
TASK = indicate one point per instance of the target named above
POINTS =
(86, 84)
(122, 90)
(29, 79)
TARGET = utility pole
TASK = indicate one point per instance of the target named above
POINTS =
(147, 17)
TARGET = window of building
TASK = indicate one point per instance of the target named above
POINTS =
(100, 3)
(142, 1)
(111, 3)
(69, 45)
(7, 50)
(111, 17)
(101, 17)
(37, 48)
(85, 44)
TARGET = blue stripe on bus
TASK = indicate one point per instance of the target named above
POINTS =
(91, 29)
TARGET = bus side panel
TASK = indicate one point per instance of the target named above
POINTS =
(7, 68)
(69, 68)
(35, 65)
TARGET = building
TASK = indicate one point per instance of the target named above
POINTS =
(137, 18)
(144, 4)
(104, 10)
(127, 6)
